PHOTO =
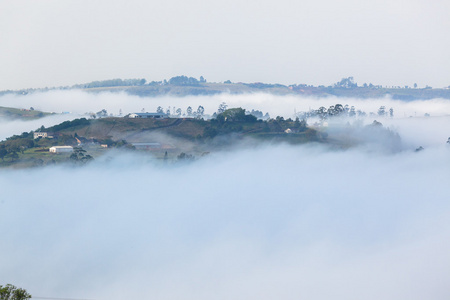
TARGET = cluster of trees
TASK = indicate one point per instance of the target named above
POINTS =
(235, 115)
(347, 83)
(259, 114)
(256, 113)
(200, 112)
(178, 112)
(235, 120)
(15, 145)
(111, 83)
(10, 292)
(79, 156)
(339, 110)
(67, 124)
(186, 81)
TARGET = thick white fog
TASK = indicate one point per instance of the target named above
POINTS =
(275, 222)
(82, 102)
(271, 222)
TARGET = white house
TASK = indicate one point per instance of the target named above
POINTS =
(40, 135)
(61, 149)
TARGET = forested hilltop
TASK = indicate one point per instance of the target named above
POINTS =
(172, 139)
(167, 138)
(190, 86)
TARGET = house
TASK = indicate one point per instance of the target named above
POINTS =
(42, 134)
(148, 115)
(61, 149)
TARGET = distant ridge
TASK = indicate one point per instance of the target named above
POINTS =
(181, 86)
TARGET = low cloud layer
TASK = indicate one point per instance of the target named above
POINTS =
(81, 102)
(409, 117)
(273, 222)
(260, 222)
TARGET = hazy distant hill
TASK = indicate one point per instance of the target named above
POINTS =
(180, 86)
(24, 114)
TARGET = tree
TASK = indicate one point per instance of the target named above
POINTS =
(3, 153)
(189, 111)
(79, 156)
(236, 115)
(160, 110)
(102, 113)
(10, 292)
(183, 80)
(415, 85)
(330, 110)
(178, 111)
(338, 109)
(222, 107)
(346, 83)
(352, 112)
(382, 111)
(322, 112)
(391, 112)
(13, 155)
(200, 110)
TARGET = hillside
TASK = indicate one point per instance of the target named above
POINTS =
(180, 86)
(166, 138)
(24, 114)
(406, 94)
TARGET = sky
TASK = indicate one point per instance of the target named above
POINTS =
(48, 43)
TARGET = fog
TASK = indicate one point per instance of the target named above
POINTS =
(82, 102)
(408, 121)
(268, 222)
(273, 222)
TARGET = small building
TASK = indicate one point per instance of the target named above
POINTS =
(61, 149)
(148, 115)
(42, 134)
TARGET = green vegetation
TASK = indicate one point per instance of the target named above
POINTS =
(167, 137)
(10, 292)
(189, 86)
(25, 114)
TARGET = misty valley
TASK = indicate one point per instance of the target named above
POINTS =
(184, 137)
(224, 150)
(229, 196)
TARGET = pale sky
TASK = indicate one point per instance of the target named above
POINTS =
(64, 42)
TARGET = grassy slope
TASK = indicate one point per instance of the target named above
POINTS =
(15, 113)
(179, 135)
